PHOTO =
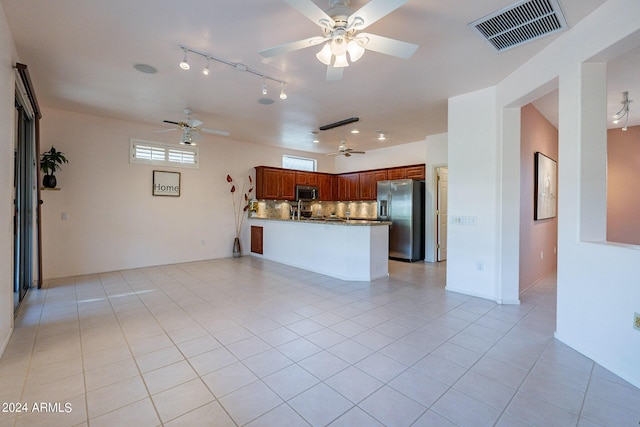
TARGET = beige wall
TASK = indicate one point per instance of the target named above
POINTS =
(538, 239)
(114, 222)
(623, 180)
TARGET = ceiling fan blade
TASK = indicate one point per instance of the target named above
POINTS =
(311, 11)
(374, 10)
(290, 47)
(388, 46)
(215, 131)
(334, 73)
(357, 152)
(193, 123)
(173, 123)
(165, 130)
(346, 154)
(333, 154)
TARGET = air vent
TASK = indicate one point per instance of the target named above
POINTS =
(520, 23)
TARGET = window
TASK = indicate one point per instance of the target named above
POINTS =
(299, 163)
(155, 153)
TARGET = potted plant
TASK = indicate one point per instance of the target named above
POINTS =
(240, 207)
(49, 162)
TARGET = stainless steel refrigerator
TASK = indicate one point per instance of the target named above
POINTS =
(402, 202)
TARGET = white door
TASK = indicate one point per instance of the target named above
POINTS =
(441, 212)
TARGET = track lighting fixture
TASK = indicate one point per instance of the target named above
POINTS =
(185, 64)
(241, 67)
(382, 136)
(624, 111)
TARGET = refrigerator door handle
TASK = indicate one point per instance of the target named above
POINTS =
(389, 205)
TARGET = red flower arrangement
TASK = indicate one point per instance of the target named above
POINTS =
(238, 208)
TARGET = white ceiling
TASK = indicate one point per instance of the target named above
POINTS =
(81, 57)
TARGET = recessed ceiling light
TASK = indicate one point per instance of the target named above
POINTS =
(265, 101)
(145, 68)
(354, 131)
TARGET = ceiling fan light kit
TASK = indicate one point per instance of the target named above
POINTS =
(184, 64)
(340, 25)
(190, 128)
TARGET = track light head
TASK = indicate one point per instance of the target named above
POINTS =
(185, 64)
(283, 94)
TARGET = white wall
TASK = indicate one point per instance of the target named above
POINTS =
(598, 288)
(386, 157)
(432, 152)
(473, 193)
(114, 222)
(7, 97)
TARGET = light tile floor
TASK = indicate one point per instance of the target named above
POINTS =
(237, 342)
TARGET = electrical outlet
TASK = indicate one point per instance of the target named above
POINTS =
(636, 321)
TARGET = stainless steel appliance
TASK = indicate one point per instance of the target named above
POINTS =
(306, 192)
(402, 202)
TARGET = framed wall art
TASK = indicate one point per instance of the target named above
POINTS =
(546, 187)
(166, 183)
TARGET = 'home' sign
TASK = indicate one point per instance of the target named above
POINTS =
(166, 183)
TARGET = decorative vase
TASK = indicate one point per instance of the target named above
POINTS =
(236, 248)
(49, 181)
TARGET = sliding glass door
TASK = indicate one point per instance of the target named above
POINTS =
(24, 201)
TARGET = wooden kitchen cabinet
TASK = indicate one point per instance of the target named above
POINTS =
(349, 187)
(326, 187)
(407, 172)
(288, 189)
(275, 184)
(280, 184)
(306, 178)
(369, 183)
(257, 239)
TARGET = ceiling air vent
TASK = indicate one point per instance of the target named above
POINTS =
(520, 23)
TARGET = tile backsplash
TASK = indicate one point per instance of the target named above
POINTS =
(275, 209)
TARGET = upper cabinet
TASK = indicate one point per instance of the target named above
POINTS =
(407, 172)
(275, 184)
(326, 187)
(349, 186)
(369, 183)
(306, 178)
(280, 184)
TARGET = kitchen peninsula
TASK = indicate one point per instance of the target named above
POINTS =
(349, 250)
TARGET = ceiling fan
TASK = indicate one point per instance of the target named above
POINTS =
(340, 25)
(190, 128)
(343, 150)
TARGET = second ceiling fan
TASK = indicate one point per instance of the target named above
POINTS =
(340, 25)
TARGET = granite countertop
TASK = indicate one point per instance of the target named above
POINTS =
(330, 221)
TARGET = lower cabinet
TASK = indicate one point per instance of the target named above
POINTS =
(257, 238)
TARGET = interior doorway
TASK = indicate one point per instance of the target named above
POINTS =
(441, 212)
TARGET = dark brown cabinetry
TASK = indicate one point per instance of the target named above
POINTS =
(306, 178)
(407, 172)
(369, 183)
(326, 187)
(349, 186)
(280, 184)
(256, 239)
(276, 184)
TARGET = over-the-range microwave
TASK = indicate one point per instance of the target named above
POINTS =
(306, 192)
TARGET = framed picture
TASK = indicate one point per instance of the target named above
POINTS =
(166, 183)
(546, 187)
